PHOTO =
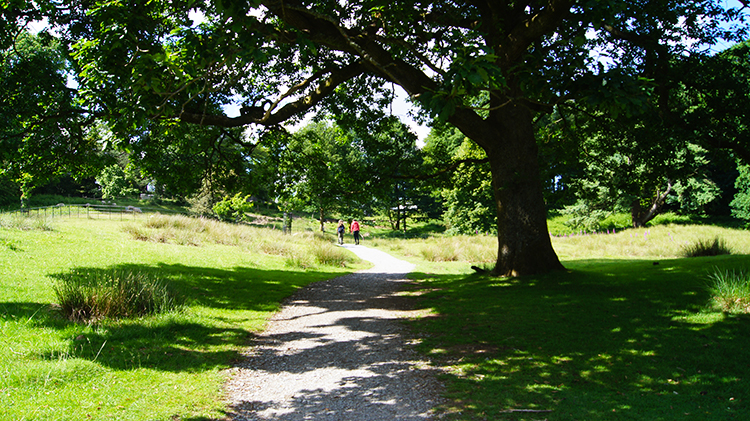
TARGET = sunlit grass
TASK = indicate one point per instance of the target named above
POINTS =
(730, 290)
(151, 367)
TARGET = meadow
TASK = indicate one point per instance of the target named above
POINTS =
(629, 331)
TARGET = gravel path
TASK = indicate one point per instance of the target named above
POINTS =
(337, 351)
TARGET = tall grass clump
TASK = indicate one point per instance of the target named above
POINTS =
(112, 294)
(328, 254)
(439, 252)
(715, 247)
(461, 248)
(730, 290)
(25, 222)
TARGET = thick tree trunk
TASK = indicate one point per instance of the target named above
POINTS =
(524, 245)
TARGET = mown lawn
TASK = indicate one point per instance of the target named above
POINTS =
(158, 367)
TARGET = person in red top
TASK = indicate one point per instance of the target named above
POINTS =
(354, 228)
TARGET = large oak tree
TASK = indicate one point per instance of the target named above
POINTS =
(486, 67)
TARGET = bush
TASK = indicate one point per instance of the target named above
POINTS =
(233, 208)
(715, 247)
(112, 294)
(730, 291)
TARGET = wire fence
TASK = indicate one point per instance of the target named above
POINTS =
(91, 211)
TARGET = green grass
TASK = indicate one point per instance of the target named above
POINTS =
(715, 247)
(730, 290)
(112, 294)
(158, 367)
(629, 331)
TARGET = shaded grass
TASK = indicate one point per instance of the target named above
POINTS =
(158, 367)
(614, 337)
(97, 295)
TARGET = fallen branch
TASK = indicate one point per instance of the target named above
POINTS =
(506, 411)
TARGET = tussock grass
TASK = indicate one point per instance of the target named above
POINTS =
(112, 294)
(25, 222)
(328, 254)
(301, 250)
(730, 290)
(715, 247)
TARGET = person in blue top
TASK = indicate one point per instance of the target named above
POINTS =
(340, 230)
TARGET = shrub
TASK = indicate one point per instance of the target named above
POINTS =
(730, 291)
(297, 260)
(326, 253)
(112, 294)
(233, 208)
(714, 247)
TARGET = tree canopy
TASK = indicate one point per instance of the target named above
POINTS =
(488, 68)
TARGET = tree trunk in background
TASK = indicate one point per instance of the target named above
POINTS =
(641, 218)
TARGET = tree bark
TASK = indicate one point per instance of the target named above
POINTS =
(641, 218)
(524, 245)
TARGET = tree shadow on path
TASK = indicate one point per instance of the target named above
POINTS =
(337, 351)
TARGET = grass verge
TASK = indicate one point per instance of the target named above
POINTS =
(167, 366)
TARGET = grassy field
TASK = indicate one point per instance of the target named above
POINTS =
(627, 332)
(161, 367)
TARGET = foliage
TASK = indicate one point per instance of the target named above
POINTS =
(715, 247)
(348, 168)
(730, 290)
(233, 208)
(661, 153)
(182, 159)
(466, 191)
(314, 168)
(389, 171)
(741, 203)
(489, 71)
(93, 296)
(114, 183)
(42, 129)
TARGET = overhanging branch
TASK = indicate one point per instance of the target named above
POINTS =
(301, 105)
